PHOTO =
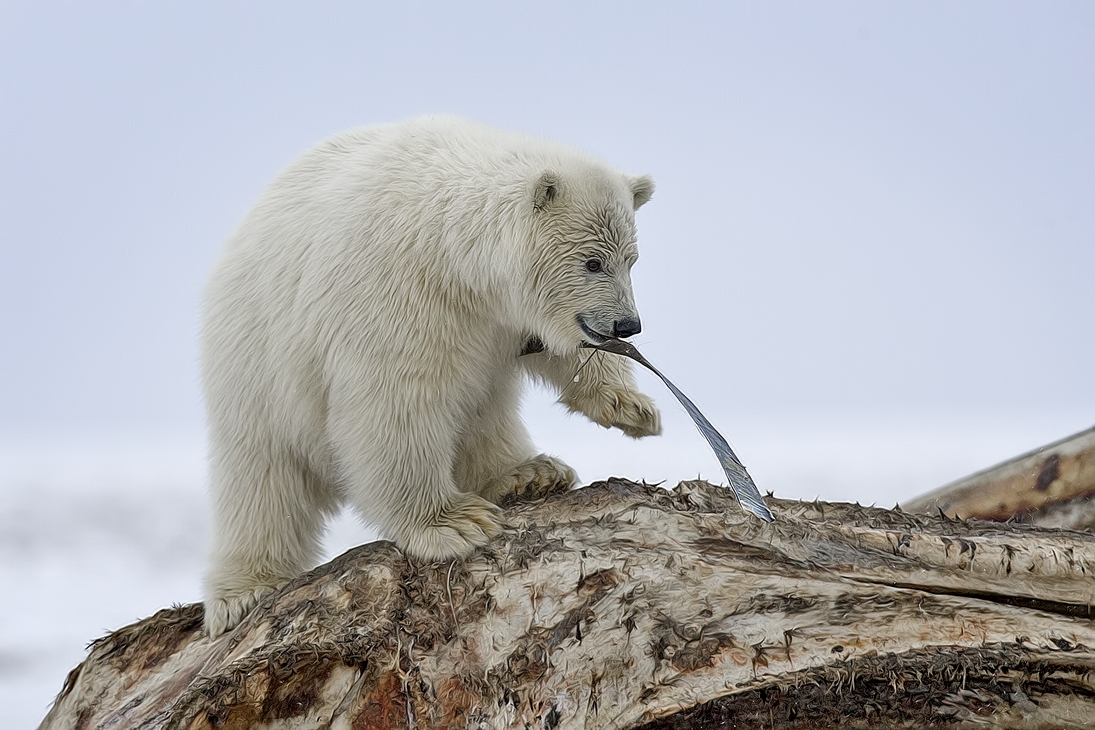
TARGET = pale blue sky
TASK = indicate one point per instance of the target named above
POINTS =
(864, 210)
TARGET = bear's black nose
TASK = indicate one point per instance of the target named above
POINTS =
(626, 327)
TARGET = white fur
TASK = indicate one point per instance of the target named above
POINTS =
(362, 334)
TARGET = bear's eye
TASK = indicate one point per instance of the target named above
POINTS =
(594, 266)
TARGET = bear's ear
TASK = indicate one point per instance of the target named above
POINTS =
(547, 189)
(642, 189)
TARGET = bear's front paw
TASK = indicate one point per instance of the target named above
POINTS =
(224, 613)
(632, 412)
(538, 477)
(469, 522)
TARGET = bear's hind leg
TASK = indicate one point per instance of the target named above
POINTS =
(267, 525)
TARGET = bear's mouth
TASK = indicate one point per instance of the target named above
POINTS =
(591, 334)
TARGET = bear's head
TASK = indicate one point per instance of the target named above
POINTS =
(584, 245)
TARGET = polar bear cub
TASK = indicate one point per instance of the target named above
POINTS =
(363, 335)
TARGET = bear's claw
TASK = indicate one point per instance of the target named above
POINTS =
(632, 412)
(224, 613)
(469, 522)
(536, 478)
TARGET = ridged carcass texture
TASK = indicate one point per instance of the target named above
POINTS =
(623, 604)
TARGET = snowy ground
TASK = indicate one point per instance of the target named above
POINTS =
(98, 535)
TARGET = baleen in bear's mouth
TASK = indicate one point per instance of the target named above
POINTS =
(740, 482)
(595, 337)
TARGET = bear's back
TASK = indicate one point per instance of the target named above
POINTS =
(448, 151)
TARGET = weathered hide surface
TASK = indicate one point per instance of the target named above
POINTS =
(1053, 486)
(622, 605)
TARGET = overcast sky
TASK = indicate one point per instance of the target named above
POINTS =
(865, 211)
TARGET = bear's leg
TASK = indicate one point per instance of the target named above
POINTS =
(600, 385)
(496, 457)
(418, 505)
(267, 525)
(398, 474)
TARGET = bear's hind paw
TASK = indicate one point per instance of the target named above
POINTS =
(468, 523)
